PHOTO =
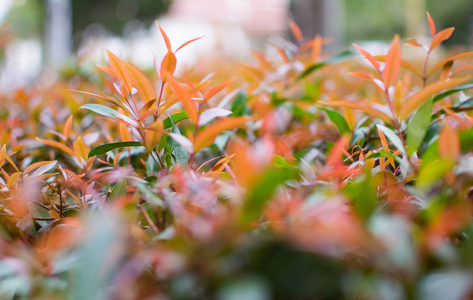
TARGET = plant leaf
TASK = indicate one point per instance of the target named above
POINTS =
(102, 149)
(186, 100)
(177, 117)
(183, 141)
(338, 120)
(393, 62)
(206, 137)
(440, 37)
(58, 145)
(453, 91)
(431, 24)
(449, 143)
(368, 109)
(393, 138)
(211, 114)
(108, 112)
(417, 127)
(120, 70)
(440, 64)
(165, 37)
(368, 56)
(416, 100)
(141, 83)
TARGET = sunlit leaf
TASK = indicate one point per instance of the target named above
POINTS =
(393, 62)
(416, 100)
(120, 70)
(207, 136)
(431, 24)
(440, 37)
(141, 83)
(108, 112)
(368, 56)
(394, 138)
(440, 64)
(58, 145)
(211, 114)
(186, 99)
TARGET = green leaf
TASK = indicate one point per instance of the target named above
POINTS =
(118, 190)
(460, 107)
(179, 153)
(455, 90)
(338, 58)
(262, 191)
(102, 149)
(431, 172)
(393, 138)
(338, 119)
(363, 196)
(418, 127)
(177, 117)
(108, 112)
(239, 105)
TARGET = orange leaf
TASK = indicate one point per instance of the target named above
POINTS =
(214, 90)
(296, 30)
(141, 84)
(37, 165)
(334, 158)
(283, 55)
(367, 109)
(416, 100)
(186, 100)
(316, 47)
(168, 66)
(187, 43)
(413, 42)
(206, 137)
(81, 149)
(120, 70)
(107, 70)
(384, 143)
(362, 75)
(165, 37)
(58, 145)
(393, 62)
(431, 24)
(67, 127)
(368, 56)
(449, 144)
(404, 64)
(446, 60)
(440, 37)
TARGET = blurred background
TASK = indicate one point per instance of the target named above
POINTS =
(39, 34)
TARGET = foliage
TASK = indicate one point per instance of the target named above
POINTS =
(297, 177)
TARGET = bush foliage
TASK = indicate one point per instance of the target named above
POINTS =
(304, 176)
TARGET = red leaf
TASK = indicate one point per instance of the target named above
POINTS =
(296, 31)
(165, 37)
(431, 24)
(368, 56)
(449, 145)
(168, 66)
(440, 37)
(185, 98)
(187, 43)
(393, 62)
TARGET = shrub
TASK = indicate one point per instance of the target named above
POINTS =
(297, 177)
